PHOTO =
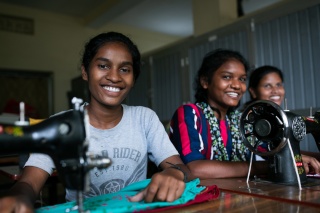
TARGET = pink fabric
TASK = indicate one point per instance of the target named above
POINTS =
(224, 133)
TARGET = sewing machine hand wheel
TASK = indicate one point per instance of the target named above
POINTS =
(264, 128)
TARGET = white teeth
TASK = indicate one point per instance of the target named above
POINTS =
(275, 97)
(112, 89)
(233, 94)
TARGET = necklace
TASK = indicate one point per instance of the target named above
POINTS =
(219, 151)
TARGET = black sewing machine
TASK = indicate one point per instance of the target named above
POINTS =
(271, 132)
(64, 138)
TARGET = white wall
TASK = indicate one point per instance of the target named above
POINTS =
(57, 45)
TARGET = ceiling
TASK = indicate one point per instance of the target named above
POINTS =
(153, 24)
(171, 17)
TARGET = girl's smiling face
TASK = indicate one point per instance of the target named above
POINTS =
(227, 86)
(270, 88)
(110, 75)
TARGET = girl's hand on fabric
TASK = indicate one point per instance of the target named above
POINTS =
(310, 164)
(163, 187)
(13, 204)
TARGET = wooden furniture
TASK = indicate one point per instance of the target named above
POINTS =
(34, 88)
(13, 174)
(9, 160)
(258, 196)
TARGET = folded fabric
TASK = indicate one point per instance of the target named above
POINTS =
(209, 193)
(118, 202)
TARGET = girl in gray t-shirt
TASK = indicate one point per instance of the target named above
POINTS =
(127, 135)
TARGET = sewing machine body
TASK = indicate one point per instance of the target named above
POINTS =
(64, 138)
(265, 124)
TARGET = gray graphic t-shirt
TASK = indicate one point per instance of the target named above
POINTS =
(139, 135)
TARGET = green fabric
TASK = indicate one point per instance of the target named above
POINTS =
(118, 202)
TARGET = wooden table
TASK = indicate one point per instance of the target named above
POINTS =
(259, 196)
(256, 196)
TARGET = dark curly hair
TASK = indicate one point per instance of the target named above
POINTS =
(210, 64)
(93, 45)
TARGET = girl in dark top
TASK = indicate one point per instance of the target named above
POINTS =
(267, 83)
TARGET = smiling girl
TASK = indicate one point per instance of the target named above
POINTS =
(128, 135)
(206, 133)
(266, 83)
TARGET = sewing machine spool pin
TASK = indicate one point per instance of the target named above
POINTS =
(64, 137)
